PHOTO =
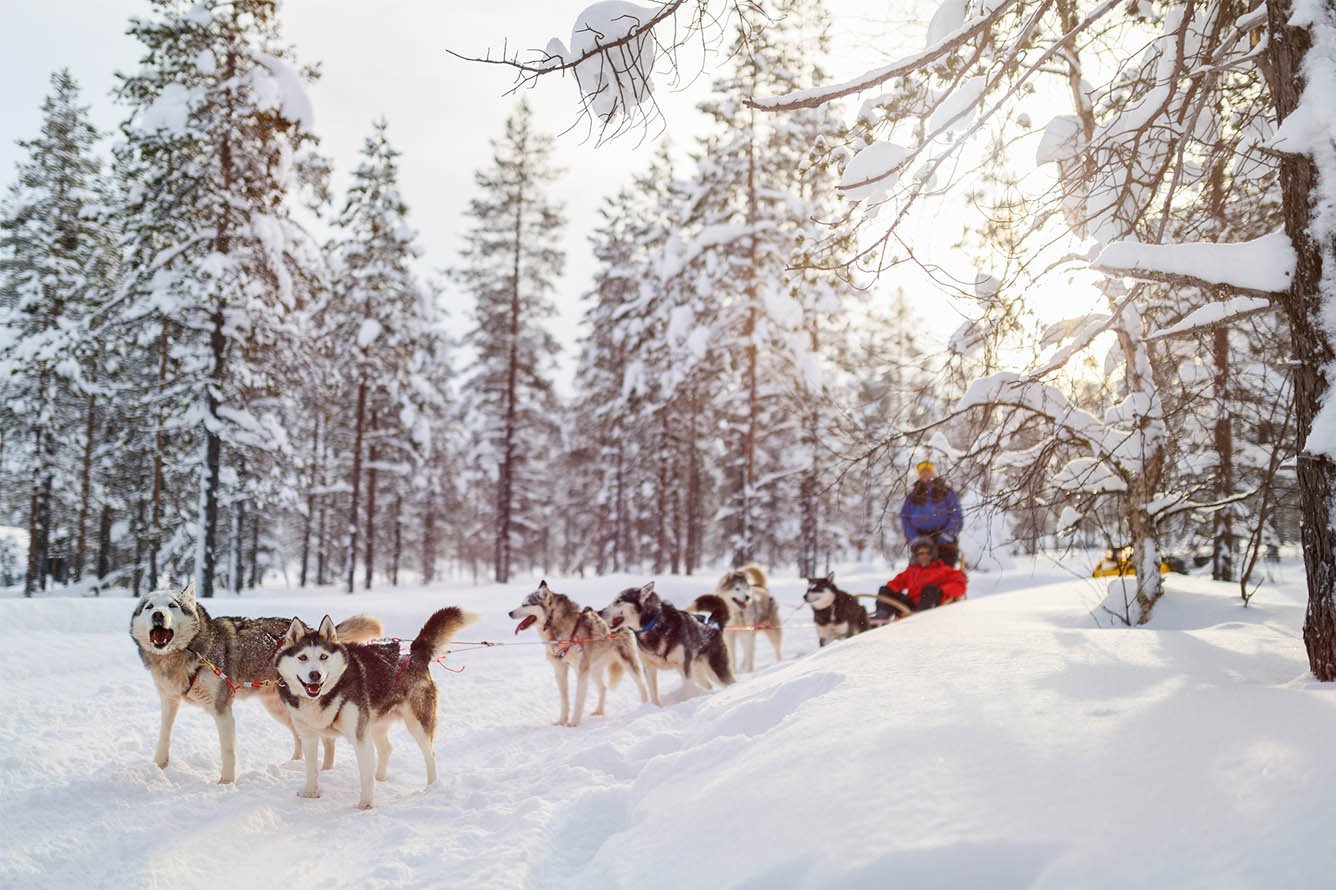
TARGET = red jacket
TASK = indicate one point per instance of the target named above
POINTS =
(913, 579)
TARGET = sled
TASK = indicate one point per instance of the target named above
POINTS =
(901, 610)
(1117, 562)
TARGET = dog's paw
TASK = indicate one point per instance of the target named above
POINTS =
(364, 806)
(310, 795)
(227, 780)
(161, 762)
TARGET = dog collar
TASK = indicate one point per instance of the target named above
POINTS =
(653, 621)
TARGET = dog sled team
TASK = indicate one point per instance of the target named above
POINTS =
(344, 680)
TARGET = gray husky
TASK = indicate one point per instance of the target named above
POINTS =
(359, 690)
(671, 639)
(181, 645)
(579, 638)
(752, 609)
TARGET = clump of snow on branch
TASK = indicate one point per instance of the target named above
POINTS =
(1213, 315)
(1263, 264)
(278, 87)
(872, 172)
(616, 79)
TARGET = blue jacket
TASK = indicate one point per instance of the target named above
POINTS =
(931, 509)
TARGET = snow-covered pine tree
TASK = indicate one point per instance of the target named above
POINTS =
(754, 198)
(377, 305)
(510, 264)
(217, 141)
(55, 268)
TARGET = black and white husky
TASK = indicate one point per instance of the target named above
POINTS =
(837, 614)
(580, 639)
(181, 644)
(671, 639)
(359, 690)
(752, 610)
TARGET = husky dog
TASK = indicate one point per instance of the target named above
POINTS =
(751, 608)
(838, 615)
(671, 639)
(579, 638)
(358, 690)
(176, 636)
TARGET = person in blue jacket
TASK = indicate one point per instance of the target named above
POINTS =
(932, 510)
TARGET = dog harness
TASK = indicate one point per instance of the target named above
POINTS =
(218, 672)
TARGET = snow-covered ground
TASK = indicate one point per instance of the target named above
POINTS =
(1005, 742)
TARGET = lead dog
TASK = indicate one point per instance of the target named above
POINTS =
(359, 690)
(751, 609)
(579, 638)
(671, 639)
(176, 636)
(837, 614)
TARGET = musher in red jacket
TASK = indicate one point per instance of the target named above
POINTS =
(926, 584)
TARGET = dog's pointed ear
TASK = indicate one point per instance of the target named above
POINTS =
(648, 598)
(327, 631)
(542, 585)
(188, 595)
(295, 630)
(830, 578)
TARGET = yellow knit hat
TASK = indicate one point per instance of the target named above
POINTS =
(924, 465)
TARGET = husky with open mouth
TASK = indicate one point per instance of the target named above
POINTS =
(753, 610)
(181, 644)
(671, 639)
(333, 688)
(580, 639)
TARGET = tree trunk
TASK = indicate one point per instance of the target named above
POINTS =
(103, 548)
(695, 497)
(309, 518)
(744, 548)
(1313, 350)
(159, 443)
(85, 492)
(398, 539)
(253, 580)
(359, 429)
(371, 479)
(31, 577)
(213, 452)
(429, 539)
(1222, 538)
(236, 569)
(505, 472)
(322, 544)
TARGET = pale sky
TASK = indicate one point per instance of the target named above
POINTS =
(389, 58)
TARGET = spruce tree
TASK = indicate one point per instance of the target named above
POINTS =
(55, 263)
(377, 308)
(217, 142)
(510, 265)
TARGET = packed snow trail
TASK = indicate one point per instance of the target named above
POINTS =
(1005, 742)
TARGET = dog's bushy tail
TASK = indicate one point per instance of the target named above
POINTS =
(755, 575)
(359, 629)
(715, 606)
(437, 633)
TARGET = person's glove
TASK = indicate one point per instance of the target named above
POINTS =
(946, 538)
(883, 590)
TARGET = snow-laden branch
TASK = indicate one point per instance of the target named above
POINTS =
(813, 98)
(1213, 315)
(1261, 267)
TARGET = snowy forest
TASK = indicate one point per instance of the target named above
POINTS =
(196, 382)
